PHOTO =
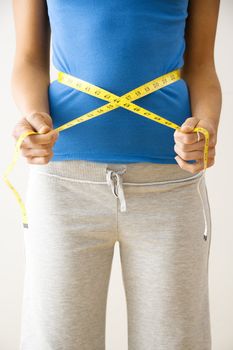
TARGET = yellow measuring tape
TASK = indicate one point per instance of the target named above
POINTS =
(115, 101)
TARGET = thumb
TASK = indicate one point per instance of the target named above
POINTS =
(44, 129)
(48, 124)
(40, 121)
(189, 124)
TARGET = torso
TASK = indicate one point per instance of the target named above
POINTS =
(117, 45)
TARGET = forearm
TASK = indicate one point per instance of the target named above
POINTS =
(205, 93)
(29, 84)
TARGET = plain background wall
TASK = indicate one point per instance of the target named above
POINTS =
(220, 188)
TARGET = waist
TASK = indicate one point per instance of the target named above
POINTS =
(171, 102)
(136, 173)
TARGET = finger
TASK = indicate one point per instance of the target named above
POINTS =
(193, 155)
(41, 122)
(191, 147)
(32, 141)
(189, 124)
(35, 152)
(21, 126)
(188, 138)
(194, 167)
(28, 145)
(198, 146)
(38, 160)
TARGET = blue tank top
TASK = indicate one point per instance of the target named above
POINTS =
(117, 45)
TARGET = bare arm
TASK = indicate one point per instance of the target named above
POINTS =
(200, 74)
(30, 74)
(199, 68)
(30, 79)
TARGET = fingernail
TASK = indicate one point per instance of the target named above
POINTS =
(187, 126)
(44, 130)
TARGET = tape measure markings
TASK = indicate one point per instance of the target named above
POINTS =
(115, 101)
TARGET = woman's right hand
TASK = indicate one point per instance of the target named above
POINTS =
(37, 149)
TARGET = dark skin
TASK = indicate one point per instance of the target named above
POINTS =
(31, 62)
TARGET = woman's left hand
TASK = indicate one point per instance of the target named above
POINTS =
(188, 147)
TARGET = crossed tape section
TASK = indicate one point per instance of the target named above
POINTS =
(115, 101)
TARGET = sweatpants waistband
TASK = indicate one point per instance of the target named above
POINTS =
(140, 172)
(117, 174)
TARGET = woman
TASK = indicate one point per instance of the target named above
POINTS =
(119, 176)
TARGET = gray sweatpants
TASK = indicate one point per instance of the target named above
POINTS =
(77, 210)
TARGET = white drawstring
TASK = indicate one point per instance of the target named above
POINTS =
(116, 190)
